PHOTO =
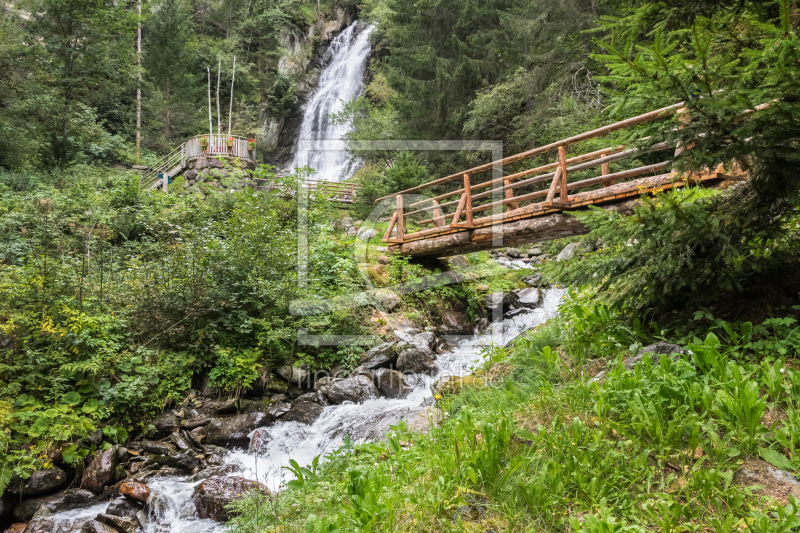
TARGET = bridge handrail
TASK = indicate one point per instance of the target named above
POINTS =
(599, 132)
(559, 172)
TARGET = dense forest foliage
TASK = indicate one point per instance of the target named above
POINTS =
(115, 300)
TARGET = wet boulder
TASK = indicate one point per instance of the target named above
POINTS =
(19, 527)
(100, 471)
(528, 298)
(234, 431)
(325, 381)
(213, 495)
(426, 339)
(357, 389)
(157, 505)
(125, 507)
(138, 492)
(493, 302)
(179, 441)
(93, 526)
(40, 482)
(303, 412)
(391, 383)
(314, 397)
(569, 251)
(158, 448)
(166, 424)
(416, 360)
(196, 422)
(381, 356)
(221, 407)
(455, 323)
(121, 524)
(64, 501)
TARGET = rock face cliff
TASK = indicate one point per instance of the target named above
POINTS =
(303, 62)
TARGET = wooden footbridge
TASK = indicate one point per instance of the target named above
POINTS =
(527, 206)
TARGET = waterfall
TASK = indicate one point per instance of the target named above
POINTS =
(342, 81)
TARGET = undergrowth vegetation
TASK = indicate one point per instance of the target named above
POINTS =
(551, 448)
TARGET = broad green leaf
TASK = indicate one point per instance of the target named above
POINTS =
(72, 398)
(775, 458)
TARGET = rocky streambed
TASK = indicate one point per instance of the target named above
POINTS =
(209, 451)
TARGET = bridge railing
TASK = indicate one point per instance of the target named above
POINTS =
(456, 209)
(344, 192)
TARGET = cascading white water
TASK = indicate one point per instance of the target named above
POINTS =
(342, 81)
(264, 461)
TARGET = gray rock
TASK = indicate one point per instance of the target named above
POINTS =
(314, 397)
(416, 361)
(513, 253)
(196, 422)
(198, 436)
(278, 409)
(426, 338)
(367, 235)
(212, 497)
(388, 299)
(166, 424)
(529, 298)
(356, 389)
(295, 375)
(391, 383)
(569, 251)
(95, 438)
(40, 482)
(221, 407)
(124, 507)
(159, 448)
(100, 471)
(535, 251)
(93, 526)
(655, 351)
(515, 312)
(121, 524)
(179, 441)
(325, 381)
(234, 431)
(303, 412)
(455, 323)
(157, 505)
(494, 301)
(380, 356)
(57, 503)
(534, 279)
(458, 261)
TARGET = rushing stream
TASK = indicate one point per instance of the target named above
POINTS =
(176, 513)
(342, 81)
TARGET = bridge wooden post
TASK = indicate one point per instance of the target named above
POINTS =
(509, 195)
(401, 222)
(464, 205)
(562, 164)
(438, 219)
(605, 170)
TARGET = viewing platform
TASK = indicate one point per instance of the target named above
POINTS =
(199, 152)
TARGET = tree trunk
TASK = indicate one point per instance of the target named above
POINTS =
(166, 121)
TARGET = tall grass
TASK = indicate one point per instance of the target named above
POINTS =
(654, 448)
